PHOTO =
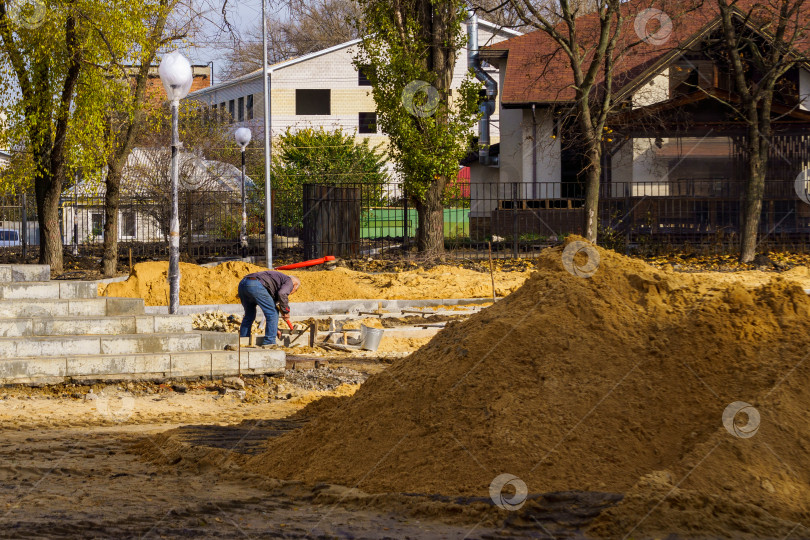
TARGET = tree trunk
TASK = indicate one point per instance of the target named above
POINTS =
(430, 233)
(48, 192)
(754, 191)
(593, 175)
(112, 202)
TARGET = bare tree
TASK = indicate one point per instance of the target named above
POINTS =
(308, 27)
(207, 174)
(762, 42)
(589, 44)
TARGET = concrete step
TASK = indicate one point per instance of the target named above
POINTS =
(121, 344)
(24, 272)
(89, 307)
(57, 369)
(79, 326)
(48, 290)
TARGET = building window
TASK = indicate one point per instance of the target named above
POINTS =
(368, 122)
(313, 102)
(128, 227)
(362, 79)
(241, 109)
(249, 112)
(231, 111)
(97, 224)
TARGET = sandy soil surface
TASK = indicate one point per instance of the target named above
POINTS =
(218, 285)
(67, 468)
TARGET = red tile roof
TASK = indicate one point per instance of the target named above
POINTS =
(538, 71)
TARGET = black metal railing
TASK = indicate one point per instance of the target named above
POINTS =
(372, 220)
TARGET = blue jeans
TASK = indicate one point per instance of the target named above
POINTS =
(252, 293)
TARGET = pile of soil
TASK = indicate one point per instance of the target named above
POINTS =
(217, 285)
(614, 383)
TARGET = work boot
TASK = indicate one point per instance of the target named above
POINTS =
(269, 346)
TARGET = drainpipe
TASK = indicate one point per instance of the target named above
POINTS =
(487, 107)
(534, 152)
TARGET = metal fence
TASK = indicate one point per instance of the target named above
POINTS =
(370, 220)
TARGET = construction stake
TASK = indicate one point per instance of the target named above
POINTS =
(130, 260)
(491, 271)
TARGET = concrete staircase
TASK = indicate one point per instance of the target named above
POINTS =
(54, 331)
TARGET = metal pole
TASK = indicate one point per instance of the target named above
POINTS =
(174, 227)
(268, 216)
(405, 218)
(24, 219)
(243, 239)
(76, 215)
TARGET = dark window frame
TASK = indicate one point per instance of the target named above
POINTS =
(362, 79)
(365, 124)
(313, 102)
(249, 107)
(125, 216)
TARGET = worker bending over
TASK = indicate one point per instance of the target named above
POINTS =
(270, 291)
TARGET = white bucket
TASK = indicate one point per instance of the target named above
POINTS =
(370, 337)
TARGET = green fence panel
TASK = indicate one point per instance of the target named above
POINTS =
(387, 222)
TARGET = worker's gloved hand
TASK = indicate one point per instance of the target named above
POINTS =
(278, 334)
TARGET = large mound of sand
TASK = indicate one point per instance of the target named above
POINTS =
(613, 383)
(217, 285)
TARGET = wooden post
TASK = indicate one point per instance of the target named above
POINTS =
(514, 220)
(491, 271)
(130, 260)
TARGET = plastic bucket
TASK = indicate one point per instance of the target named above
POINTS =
(370, 337)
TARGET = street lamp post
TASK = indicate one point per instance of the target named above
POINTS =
(176, 75)
(268, 134)
(243, 136)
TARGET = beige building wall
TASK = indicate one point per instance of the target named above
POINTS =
(333, 70)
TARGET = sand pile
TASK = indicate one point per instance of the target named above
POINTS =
(613, 383)
(217, 285)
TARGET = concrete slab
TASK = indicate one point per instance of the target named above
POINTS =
(24, 272)
(90, 345)
(55, 369)
(124, 306)
(191, 365)
(156, 324)
(149, 343)
(94, 325)
(56, 308)
(48, 290)
(216, 341)
(24, 370)
(100, 366)
(265, 361)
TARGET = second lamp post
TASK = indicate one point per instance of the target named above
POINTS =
(243, 137)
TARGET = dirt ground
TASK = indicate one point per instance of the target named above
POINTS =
(67, 468)
(170, 459)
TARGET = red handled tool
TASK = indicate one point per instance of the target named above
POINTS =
(304, 264)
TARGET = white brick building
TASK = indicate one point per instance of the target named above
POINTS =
(321, 89)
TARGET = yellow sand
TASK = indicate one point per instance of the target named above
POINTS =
(217, 285)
